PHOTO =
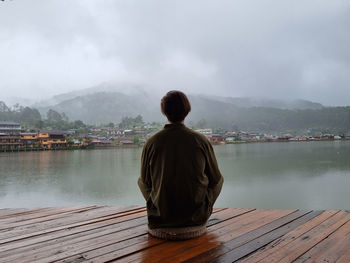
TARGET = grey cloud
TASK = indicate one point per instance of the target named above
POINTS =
(297, 49)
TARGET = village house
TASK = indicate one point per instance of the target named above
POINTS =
(327, 136)
(10, 142)
(246, 136)
(29, 140)
(217, 139)
(206, 132)
(9, 136)
(10, 128)
(100, 141)
(52, 139)
(230, 139)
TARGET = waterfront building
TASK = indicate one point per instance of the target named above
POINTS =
(126, 142)
(206, 132)
(230, 139)
(10, 128)
(128, 132)
(52, 139)
(29, 140)
(217, 139)
(327, 137)
(101, 142)
(10, 142)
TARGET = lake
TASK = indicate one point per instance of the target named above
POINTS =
(305, 175)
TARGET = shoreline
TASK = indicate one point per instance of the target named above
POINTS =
(141, 145)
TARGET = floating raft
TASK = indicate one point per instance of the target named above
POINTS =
(114, 234)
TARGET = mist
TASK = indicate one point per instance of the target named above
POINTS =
(275, 49)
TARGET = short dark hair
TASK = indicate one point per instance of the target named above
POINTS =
(175, 106)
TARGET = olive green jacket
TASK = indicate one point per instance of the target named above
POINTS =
(180, 178)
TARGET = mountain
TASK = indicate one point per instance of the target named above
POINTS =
(250, 114)
(110, 102)
(110, 106)
(104, 107)
(250, 102)
(120, 87)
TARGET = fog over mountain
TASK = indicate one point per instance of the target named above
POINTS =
(260, 48)
(249, 114)
(107, 103)
(110, 103)
(123, 88)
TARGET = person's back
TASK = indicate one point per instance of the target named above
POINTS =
(180, 179)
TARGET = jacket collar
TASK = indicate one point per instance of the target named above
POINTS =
(173, 125)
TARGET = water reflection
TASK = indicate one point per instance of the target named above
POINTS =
(312, 175)
(308, 175)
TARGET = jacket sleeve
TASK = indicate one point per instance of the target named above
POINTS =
(212, 171)
(144, 181)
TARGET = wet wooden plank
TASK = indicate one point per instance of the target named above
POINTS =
(19, 211)
(73, 232)
(10, 213)
(110, 252)
(305, 242)
(66, 251)
(222, 220)
(216, 235)
(217, 217)
(239, 252)
(289, 237)
(46, 215)
(229, 233)
(111, 234)
(119, 231)
(228, 246)
(331, 248)
(109, 248)
(89, 217)
(226, 214)
(344, 258)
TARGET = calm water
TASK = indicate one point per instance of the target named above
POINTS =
(310, 175)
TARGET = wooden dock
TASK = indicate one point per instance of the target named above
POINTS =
(114, 234)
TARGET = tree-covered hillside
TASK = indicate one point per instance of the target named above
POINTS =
(19, 114)
(207, 112)
(270, 120)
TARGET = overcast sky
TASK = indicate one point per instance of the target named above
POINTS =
(277, 49)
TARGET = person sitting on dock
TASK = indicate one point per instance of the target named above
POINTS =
(180, 178)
